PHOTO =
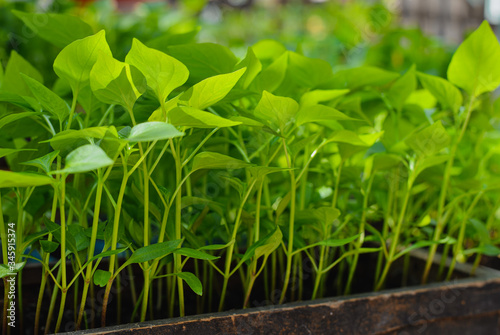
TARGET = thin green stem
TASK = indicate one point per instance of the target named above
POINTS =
(291, 225)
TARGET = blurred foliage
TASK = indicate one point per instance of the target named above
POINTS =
(347, 34)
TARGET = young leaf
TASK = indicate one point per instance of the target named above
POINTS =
(7, 151)
(213, 160)
(6, 271)
(204, 60)
(474, 66)
(314, 97)
(308, 72)
(50, 101)
(348, 137)
(318, 113)
(360, 77)
(272, 76)
(253, 66)
(101, 277)
(153, 251)
(153, 131)
(196, 118)
(402, 88)
(188, 252)
(58, 29)
(446, 93)
(76, 60)
(14, 117)
(211, 90)
(430, 140)
(272, 243)
(216, 246)
(85, 158)
(193, 282)
(20, 179)
(113, 82)
(163, 73)
(49, 246)
(12, 81)
(338, 242)
(280, 111)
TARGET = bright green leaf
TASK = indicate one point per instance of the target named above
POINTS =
(430, 140)
(446, 93)
(58, 29)
(20, 179)
(153, 251)
(196, 118)
(280, 111)
(318, 113)
(402, 88)
(193, 282)
(214, 160)
(101, 277)
(12, 81)
(474, 66)
(85, 158)
(188, 252)
(153, 131)
(76, 60)
(50, 101)
(163, 73)
(211, 90)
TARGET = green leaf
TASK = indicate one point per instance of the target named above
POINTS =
(85, 158)
(101, 277)
(272, 242)
(402, 88)
(5, 270)
(338, 242)
(49, 246)
(153, 251)
(428, 162)
(430, 140)
(193, 282)
(253, 66)
(423, 244)
(314, 97)
(446, 93)
(487, 249)
(14, 117)
(163, 73)
(70, 138)
(12, 81)
(280, 111)
(204, 60)
(7, 151)
(196, 118)
(272, 76)
(21, 179)
(361, 76)
(50, 101)
(474, 66)
(308, 72)
(214, 160)
(113, 82)
(188, 252)
(27, 103)
(272, 238)
(348, 137)
(318, 113)
(217, 246)
(76, 60)
(58, 29)
(153, 131)
(211, 90)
